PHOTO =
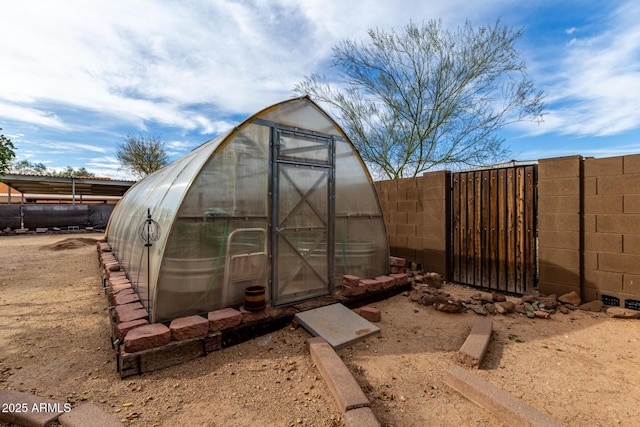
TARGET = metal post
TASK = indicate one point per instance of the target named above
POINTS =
(73, 191)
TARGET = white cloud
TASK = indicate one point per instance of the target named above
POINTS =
(596, 91)
(154, 61)
(111, 67)
(31, 115)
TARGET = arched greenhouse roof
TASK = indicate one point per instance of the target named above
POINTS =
(282, 200)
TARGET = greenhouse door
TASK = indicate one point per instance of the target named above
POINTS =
(301, 210)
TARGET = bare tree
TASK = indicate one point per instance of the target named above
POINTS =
(428, 96)
(142, 155)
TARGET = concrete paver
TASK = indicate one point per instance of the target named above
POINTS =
(361, 417)
(336, 375)
(28, 410)
(505, 406)
(475, 346)
(88, 414)
(338, 325)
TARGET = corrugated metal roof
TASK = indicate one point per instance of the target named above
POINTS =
(87, 186)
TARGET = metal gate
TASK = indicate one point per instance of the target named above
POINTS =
(493, 228)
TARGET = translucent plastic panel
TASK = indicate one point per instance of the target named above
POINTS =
(231, 254)
(218, 244)
(301, 148)
(300, 270)
(234, 181)
(301, 113)
(161, 194)
(302, 224)
(361, 247)
(355, 193)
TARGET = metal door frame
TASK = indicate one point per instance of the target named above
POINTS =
(274, 188)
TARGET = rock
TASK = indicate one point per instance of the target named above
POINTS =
(509, 306)
(542, 314)
(563, 309)
(623, 313)
(595, 305)
(500, 309)
(528, 298)
(520, 309)
(478, 309)
(414, 296)
(498, 297)
(477, 296)
(449, 306)
(430, 299)
(528, 308)
(432, 279)
(549, 302)
(570, 298)
(490, 308)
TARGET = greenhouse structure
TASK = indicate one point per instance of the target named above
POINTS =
(283, 200)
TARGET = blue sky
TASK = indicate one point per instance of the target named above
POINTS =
(77, 76)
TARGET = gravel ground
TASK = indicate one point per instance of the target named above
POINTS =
(580, 368)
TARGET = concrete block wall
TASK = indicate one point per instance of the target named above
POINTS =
(589, 227)
(559, 225)
(416, 213)
(612, 228)
(588, 224)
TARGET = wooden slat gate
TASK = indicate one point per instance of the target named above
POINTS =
(493, 228)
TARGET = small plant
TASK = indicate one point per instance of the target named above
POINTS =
(515, 338)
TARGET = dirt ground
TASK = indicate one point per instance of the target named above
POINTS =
(580, 368)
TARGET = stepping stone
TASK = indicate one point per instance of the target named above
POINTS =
(31, 410)
(88, 414)
(338, 325)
